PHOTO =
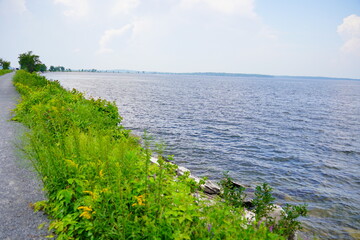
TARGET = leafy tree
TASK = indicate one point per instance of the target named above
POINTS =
(29, 62)
(5, 65)
(43, 67)
(52, 69)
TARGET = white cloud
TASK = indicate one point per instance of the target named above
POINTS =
(17, 6)
(124, 6)
(349, 30)
(351, 46)
(109, 35)
(76, 8)
(244, 8)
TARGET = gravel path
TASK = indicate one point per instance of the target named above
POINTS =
(18, 184)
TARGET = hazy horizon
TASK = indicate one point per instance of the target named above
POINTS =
(131, 71)
(307, 38)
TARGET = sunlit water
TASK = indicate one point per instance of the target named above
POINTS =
(301, 136)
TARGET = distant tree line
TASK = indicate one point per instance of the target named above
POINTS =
(31, 63)
(88, 70)
(58, 69)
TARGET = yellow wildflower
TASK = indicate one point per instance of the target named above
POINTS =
(86, 215)
(87, 212)
(85, 208)
(101, 173)
(140, 200)
(71, 163)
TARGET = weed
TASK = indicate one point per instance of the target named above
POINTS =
(263, 201)
(288, 224)
(233, 195)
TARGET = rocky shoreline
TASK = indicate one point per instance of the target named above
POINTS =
(211, 190)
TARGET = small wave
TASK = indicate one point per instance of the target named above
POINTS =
(348, 152)
(283, 159)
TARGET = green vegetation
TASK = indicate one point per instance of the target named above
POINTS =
(56, 69)
(4, 64)
(100, 183)
(263, 201)
(262, 205)
(31, 62)
(232, 195)
(2, 72)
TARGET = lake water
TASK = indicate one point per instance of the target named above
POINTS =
(302, 136)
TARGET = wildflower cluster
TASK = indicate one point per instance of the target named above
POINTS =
(87, 212)
(140, 201)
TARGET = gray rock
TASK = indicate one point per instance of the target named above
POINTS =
(210, 187)
(276, 213)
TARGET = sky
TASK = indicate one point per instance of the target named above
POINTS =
(277, 37)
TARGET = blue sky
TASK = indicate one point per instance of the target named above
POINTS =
(280, 37)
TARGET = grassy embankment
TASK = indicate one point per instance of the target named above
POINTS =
(2, 71)
(99, 181)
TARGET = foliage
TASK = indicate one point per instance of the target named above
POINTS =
(263, 201)
(288, 224)
(30, 62)
(99, 181)
(42, 68)
(4, 64)
(231, 194)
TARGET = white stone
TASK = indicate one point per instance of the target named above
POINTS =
(249, 215)
(154, 160)
(181, 170)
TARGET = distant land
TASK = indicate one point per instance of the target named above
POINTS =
(229, 74)
(212, 74)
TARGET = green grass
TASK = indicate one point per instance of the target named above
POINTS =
(2, 71)
(99, 181)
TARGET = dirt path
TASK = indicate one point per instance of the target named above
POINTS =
(18, 185)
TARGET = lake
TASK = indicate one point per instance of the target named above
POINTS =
(302, 136)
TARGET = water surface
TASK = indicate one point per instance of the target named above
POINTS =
(301, 136)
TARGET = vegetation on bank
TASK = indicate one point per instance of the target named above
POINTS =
(2, 71)
(100, 183)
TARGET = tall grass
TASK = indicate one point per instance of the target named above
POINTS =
(99, 181)
(2, 71)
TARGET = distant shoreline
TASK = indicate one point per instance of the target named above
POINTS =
(216, 74)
